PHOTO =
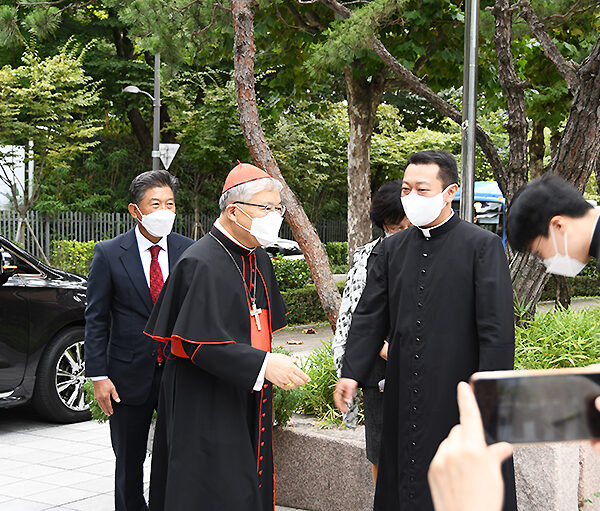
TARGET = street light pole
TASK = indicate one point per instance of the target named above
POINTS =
(156, 126)
(156, 111)
(467, 156)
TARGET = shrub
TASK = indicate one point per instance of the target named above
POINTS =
(285, 402)
(290, 273)
(337, 251)
(95, 410)
(73, 256)
(563, 338)
(304, 305)
(317, 398)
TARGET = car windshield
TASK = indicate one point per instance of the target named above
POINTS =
(13, 262)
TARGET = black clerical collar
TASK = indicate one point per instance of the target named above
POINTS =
(595, 244)
(437, 230)
(229, 243)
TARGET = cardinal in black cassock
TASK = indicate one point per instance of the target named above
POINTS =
(217, 312)
(444, 292)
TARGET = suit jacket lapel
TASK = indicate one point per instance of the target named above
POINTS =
(130, 257)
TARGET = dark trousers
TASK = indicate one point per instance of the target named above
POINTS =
(129, 426)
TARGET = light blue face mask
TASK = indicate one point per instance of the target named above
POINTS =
(562, 264)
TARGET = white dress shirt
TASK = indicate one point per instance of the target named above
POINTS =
(261, 374)
(144, 245)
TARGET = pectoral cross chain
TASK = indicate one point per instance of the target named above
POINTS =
(256, 313)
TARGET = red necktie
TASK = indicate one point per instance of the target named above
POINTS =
(156, 284)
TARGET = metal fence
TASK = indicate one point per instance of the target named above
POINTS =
(67, 225)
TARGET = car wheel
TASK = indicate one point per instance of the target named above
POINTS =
(59, 394)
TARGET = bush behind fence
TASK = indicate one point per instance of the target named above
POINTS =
(77, 226)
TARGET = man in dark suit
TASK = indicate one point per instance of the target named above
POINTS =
(126, 276)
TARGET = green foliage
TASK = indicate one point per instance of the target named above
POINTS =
(285, 402)
(95, 410)
(73, 256)
(48, 101)
(290, 273)
(582, 285)
(337, 251)
(317, 398)
(304, 306)
(563, 338)
(349, 38)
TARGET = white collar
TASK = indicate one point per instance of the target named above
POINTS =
(427, 231)
(145, 244)
(224, 231)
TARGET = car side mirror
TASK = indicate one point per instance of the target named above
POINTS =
(6, 272)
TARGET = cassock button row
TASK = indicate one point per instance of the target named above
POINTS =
(411, 478)
(260, 472)
(417, 357)
(423, 270)
(418, 339)
(260, 485)
(262, 444)
(418, 322)
(416, 374)
(412, 461)
(419, 305)
(424, 254)
(421, 288)
(414, 408)
(262, 429)
(411, 495)
(414, 444)
(415, 391)
(265, 386)
(414, 426)
(264, 414)
(264, 400)
(261, 458)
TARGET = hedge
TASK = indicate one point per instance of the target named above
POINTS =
(304, 305)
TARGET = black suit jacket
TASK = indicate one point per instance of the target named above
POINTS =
(118, 307)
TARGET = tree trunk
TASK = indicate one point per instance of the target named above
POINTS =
(529, 278)
(579, 148)
(514, 92)
(563, 292)
(244, 50)
(364, 97)
(537, 149)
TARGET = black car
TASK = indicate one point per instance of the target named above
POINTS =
(41, 336)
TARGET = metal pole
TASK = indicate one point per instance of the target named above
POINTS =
(467, 157)
(156, 126)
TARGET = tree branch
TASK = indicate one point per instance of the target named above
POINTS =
(566, 68)
(513, 88)
(413, 83)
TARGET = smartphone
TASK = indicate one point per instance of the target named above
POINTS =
(554, 405)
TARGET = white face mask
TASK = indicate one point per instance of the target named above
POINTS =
(562, 264)
(421, 210)
(158, 223)
(266, 228)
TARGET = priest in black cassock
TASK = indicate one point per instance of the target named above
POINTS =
(443, 290)
(217, 313)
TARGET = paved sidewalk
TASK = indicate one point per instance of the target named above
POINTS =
(60, 467)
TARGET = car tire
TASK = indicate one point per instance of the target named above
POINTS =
(59, 394)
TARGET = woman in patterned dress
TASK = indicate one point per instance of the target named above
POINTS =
(386, 213)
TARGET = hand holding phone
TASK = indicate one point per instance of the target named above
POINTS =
(539, 406)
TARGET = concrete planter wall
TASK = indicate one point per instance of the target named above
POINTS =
(326, 470)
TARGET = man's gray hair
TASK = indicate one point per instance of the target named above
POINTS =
(245, 191)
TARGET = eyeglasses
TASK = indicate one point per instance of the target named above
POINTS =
(265, 207)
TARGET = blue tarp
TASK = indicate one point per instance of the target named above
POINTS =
(486, 191)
